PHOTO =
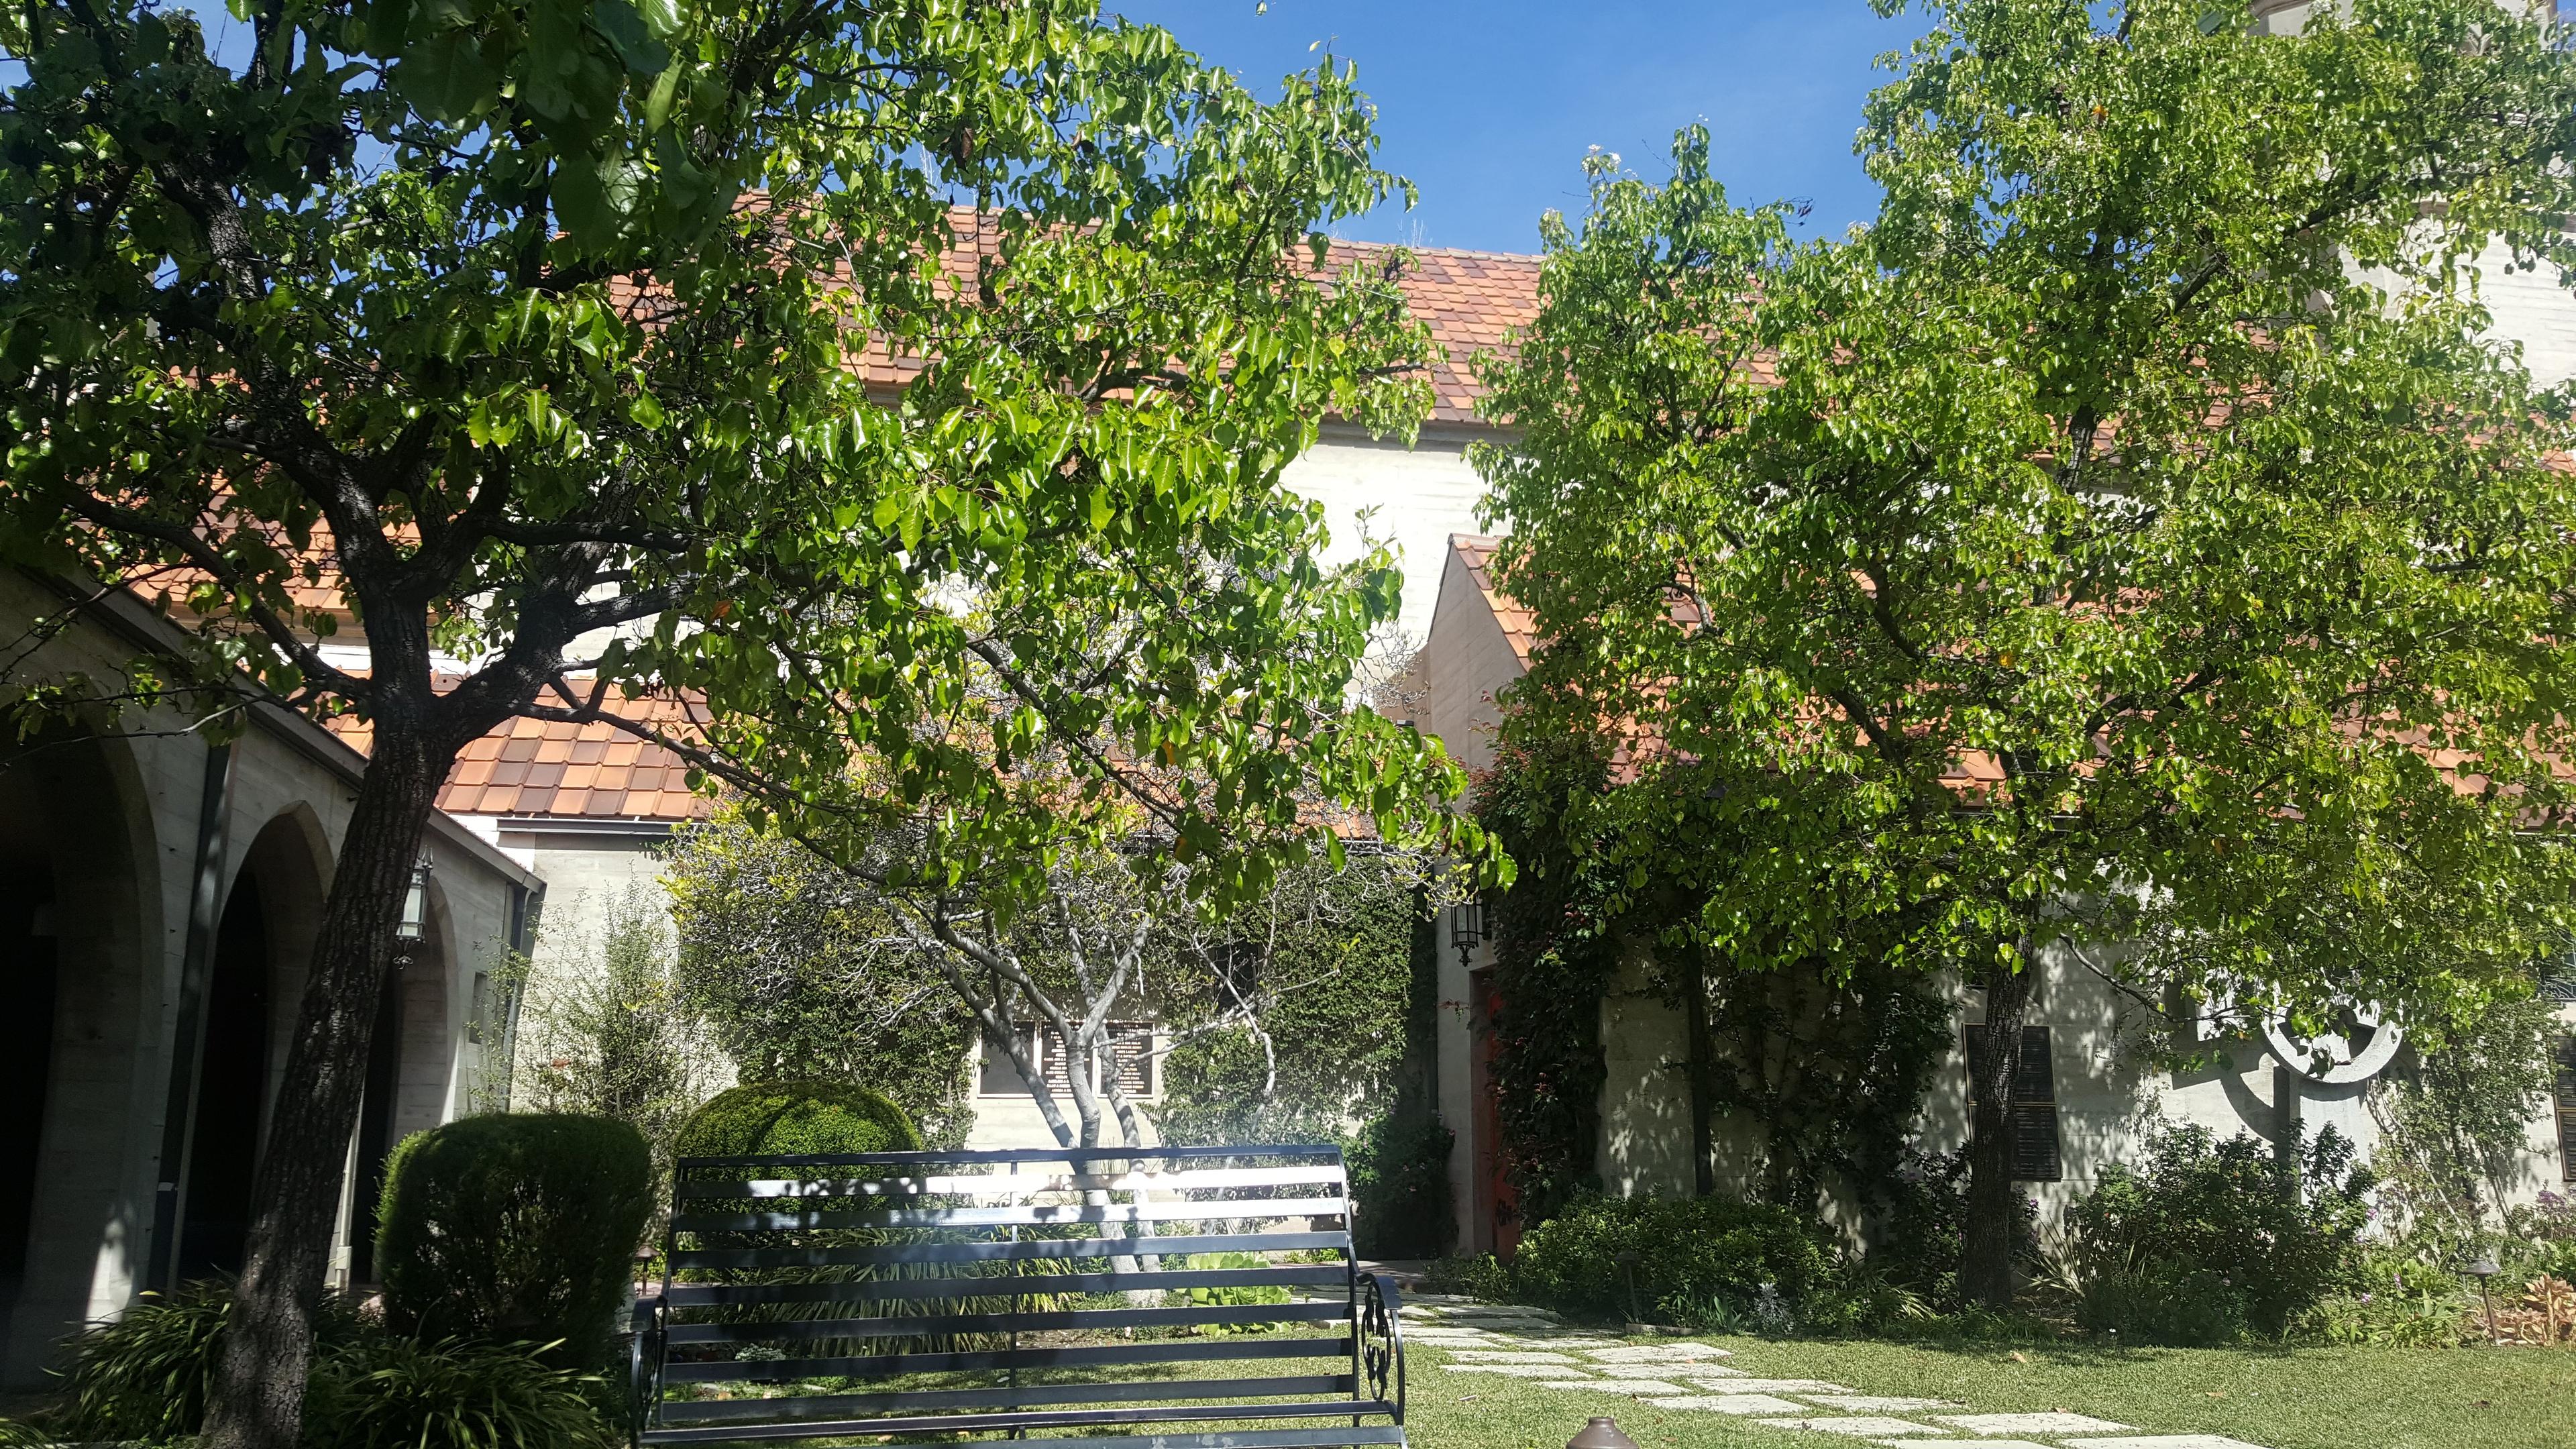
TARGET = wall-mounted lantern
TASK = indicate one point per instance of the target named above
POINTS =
(415, 913)
(1466, 927)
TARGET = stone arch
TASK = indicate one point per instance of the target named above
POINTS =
(80, 922)
(271, 911)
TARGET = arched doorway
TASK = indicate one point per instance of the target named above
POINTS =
(29, 974)
(232, 1082)
(254, 979)
(78, 909)
(408, 1069)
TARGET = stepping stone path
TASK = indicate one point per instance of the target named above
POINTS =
(1532, 1343)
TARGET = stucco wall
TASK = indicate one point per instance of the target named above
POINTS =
(1421, 495)
(2108, 1099)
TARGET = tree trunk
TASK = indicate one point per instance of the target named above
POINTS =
(1986, 1254)
(1699, 1065)
(258, 1398)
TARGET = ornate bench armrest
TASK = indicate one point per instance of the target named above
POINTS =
(644, 1363)
(1381, 1341)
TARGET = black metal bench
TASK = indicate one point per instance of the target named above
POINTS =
(926, 1295)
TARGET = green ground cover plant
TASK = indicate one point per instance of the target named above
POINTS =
(148, 1376)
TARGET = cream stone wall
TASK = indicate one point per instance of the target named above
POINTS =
(2108, 1098)
(1645, 1134)
(1419, 496)
(1465, 661)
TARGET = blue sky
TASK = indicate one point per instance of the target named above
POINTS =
(1489, 104)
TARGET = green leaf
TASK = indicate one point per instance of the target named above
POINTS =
(634, 37)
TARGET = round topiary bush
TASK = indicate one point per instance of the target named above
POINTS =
(515, 1227)
(792, 1118)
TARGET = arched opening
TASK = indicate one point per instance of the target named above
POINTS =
(78, 910)
(232, 1080)
(407, 1073)
(29, 975)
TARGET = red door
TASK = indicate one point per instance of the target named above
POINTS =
(1496, 1216)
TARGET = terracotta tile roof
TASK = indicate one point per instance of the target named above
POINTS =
(586, 771)
(1520, 626)
(569, 771)
(1469, 300)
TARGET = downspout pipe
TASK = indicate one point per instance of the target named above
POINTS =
(527, 907)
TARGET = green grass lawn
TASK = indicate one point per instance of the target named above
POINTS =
(2310, 1398)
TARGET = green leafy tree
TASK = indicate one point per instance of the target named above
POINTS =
(2455, 1127)
(1288, 1015)
(801, 975)
(609, 1032)
(2132, 537)
(538, 340)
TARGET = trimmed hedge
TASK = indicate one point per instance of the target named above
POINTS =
(515, 1226)
(782, 1118)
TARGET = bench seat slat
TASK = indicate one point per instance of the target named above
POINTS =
(698, 1295)
(1026, 1396)
(851, 1428)
(1077, 1318)
(1020, 1184)
(886, 1365)
(687, 1259)
(1312, 1437)
(1305, 1152)
(1028, 1216)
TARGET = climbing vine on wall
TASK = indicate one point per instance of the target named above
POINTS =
(1814, 1055)
(1554, 957)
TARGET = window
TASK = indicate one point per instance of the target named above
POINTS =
(2033, 1109)
(1131, 1056)
(2567, 1108)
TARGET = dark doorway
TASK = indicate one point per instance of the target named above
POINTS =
(232, 1077)
(27, 973)
(376, 1128)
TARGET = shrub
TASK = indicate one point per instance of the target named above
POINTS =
(1677, 1258)
(1923, 1229)
(383, 1391)
(515, 1227)
(1400, 1187)
(788, 1118)
(1245, 1295)
(2250, 1236)
(2186, 1307)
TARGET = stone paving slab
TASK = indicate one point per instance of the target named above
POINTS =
(1859, 1426)
(1652, 1352)
(2054, 1422)
(1511, 1370)
(2164, 1441)
(1965, 1444)
(1878, 1403)
(1729, 1404)
(1703, 1372)
(1801, 1387)
(1636, 1388)
(1520, 1355)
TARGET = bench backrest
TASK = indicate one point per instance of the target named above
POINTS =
(932, 1292)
